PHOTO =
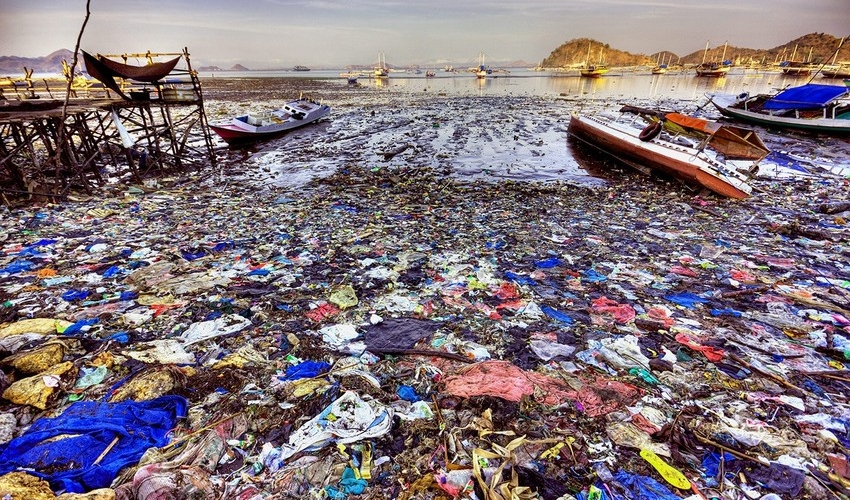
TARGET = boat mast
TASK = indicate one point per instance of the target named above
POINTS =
(705, 52)
(835, 56)
(724, 51)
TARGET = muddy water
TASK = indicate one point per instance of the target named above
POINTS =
(508, 127)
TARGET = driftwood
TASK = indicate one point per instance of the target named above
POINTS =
(420, 352)
(643, 111)
(745, 291)
(776, 378)
(834, 207)
(388, 155)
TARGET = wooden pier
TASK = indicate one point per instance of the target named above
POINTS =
(50, 146)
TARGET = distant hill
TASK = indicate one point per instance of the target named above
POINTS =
(821, 45)
(212, 69)
(575, 52)
(51, 63)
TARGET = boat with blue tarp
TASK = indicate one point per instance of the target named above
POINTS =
(812, 107)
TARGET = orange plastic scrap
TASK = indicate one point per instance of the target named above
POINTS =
(161, 308)
(644, 424)
(780, 262)
(711, 353)
(489, 311)
(45, 272)
(512, 305)
(691, 122)
(622, 313)
(504, 380)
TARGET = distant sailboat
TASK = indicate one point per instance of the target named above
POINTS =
(381, 69)
(801, 68)
(661, 67)
(593, 70)
(483, 70)
(840, 69)
(713, 68)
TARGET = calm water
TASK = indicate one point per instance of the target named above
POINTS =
(639, 84)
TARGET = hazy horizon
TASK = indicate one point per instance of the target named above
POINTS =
(273, 34)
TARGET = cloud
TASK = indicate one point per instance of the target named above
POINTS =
(338, 32)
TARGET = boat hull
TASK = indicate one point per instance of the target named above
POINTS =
(713, 72)
(240, 132)
(678, 161)
(593, 71)
(837, 126)
(845, 73)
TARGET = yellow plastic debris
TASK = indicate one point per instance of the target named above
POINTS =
(100, 494)
(553, 452)
(150, 385)
(667, 471)
(23, 485)
(37, 360)
(37, 390)
(344, 297)
(43, 326)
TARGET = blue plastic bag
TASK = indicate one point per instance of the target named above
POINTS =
(644, 487)
(306, 369)
(557, 315)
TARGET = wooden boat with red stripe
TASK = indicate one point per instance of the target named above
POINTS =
(700, 152)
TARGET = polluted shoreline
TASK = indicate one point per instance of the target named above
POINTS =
(387, 328)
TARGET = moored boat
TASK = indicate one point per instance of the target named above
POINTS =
(258, 126)
(798, 68)
(105, 70)
(699, 152)
(149, 73)
(381, 71)
(840, 70)
(593, 70)
(482, 71)
(714, 68)
(661, 67)
(811, 107)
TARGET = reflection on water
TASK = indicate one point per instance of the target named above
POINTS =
(624, 85)
(637, 84)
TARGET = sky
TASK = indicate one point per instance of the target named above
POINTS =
(275, 34)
